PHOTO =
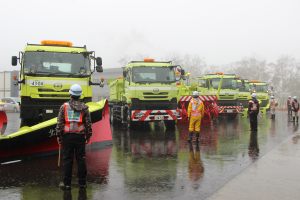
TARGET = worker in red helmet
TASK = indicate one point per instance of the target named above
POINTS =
(74, 129)
(195, 114)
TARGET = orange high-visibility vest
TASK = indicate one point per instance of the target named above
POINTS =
(195, 112)
(254, 105)
(73, 120)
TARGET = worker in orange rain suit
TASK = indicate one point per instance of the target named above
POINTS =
(195, 114)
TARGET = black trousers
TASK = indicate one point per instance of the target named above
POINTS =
(74, 144)
(253, 121)
(290, 110)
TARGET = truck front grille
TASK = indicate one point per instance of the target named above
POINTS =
(151, 95)
(227, 103)
(226, 96)
(51, 90)
(154, 105)
(55, 95)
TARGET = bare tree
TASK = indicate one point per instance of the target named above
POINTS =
(251, 68)
(193, 64)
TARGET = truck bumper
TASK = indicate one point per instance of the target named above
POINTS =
(155, 115)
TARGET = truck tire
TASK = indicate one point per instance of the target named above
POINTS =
(170, 124)
(112, 119)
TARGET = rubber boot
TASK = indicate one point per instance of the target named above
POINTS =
(293, 119)
(190, 138)
(197, 137)
(297, 119)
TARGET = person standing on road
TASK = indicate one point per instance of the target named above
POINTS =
(295, 109)
(289, 106)
(195, 114)
(74, 129)
(253, 110)
(273, 105)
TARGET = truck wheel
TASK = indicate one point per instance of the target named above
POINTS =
(111, 117)
(170, 124)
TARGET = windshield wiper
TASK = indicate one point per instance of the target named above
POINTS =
(36, 73)
(59, 73)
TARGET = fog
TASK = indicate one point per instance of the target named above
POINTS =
(218, 31)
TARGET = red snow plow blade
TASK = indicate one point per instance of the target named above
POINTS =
(40, 139)
(3, 122)
(210, 105)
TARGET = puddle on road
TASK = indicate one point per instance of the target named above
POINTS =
(153, 163)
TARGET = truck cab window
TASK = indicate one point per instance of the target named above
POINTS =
(60, 64)
(153, 74)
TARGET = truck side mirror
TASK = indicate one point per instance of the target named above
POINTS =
(99, 61)
(124, 73)
(14, 60)
(99, 68)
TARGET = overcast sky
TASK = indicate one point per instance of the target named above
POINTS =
(220, 31)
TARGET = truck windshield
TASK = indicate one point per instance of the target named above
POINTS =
(202, 83)
(243, 87)
(260, 88)
(56, 64)
(153, 74)
(228, 83)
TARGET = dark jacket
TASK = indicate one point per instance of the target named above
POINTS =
(251, 105)
(295, 105)
(77, 106)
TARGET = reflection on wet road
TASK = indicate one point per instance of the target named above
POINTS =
(153, 163)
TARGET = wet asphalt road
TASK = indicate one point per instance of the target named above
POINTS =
(153, 163)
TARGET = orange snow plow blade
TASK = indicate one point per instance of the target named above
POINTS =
(3, 122)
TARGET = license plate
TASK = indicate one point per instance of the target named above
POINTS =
(36, 83)
(49, 111)
(229, 111)
(159, 117)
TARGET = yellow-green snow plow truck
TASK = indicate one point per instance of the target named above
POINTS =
(147, 92)
(47, 72)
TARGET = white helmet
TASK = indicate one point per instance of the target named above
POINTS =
(75, 90)
(195, 93)
(294, 97)
(290, 97)
(253, 95)
(272, 97)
